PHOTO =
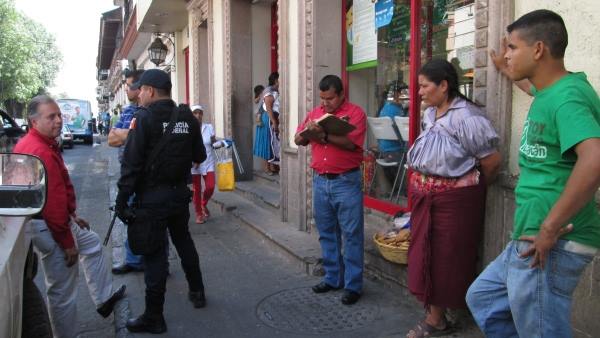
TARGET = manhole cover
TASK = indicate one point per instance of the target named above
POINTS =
(303, 311)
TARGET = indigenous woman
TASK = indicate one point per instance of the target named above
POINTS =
(452, 160)
(266, 141)
(206, 169)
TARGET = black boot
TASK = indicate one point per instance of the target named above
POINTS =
(197, 298)
(106, 308)
(143, 323)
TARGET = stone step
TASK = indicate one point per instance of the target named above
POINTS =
(283, 237)
(375, 264)
(262, 193)
(303, 246)
(261, 176)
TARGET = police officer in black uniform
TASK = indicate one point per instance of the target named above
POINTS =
(161, 202)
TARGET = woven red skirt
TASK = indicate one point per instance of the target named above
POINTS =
(446, 228)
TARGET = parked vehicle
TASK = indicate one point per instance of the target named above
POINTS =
(59, 140)
(77, 115)
(10, 132)
(21, 122)
(22, 194)
(66, 138)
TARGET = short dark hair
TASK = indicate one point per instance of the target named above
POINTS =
(34, 103)
(258, 90)
(134, 74)
(543, 25)
(273, 77)
(331, 81)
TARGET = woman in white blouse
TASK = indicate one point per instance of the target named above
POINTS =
(206, 169)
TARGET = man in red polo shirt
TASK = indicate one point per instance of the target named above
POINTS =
(61, 237)
(337, 195)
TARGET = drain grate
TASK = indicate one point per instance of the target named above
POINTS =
(303, 311)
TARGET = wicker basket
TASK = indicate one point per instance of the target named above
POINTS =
(392, 253)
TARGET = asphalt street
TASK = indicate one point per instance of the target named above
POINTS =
(252, 290)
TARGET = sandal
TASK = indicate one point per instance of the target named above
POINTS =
(423, 329)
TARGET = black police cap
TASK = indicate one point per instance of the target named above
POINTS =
(154, 78)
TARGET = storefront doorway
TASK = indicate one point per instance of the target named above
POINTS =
(385, 42)
(264, 57)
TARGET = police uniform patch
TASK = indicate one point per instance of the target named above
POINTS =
(132, 123)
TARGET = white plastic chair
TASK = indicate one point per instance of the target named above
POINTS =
(402, 123)
(383, 129)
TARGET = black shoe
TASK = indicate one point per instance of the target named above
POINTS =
(323, 287)
(107, 307)
(197, 298)
(125, 268)
(145, 324)
(350, 297)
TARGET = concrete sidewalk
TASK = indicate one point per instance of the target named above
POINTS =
(259, 286)
(255, 292)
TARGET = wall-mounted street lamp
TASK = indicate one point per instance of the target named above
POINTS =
(158, 50)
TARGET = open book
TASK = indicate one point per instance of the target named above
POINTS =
(331, 124)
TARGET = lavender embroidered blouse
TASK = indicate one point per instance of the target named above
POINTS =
(452, 145)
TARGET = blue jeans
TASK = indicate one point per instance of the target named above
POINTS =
(338, 212)
(510, 299)
(131, 259)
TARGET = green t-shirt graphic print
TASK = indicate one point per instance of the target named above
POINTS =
(560, 117)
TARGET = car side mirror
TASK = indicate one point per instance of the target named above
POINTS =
(25, 127)
(22, 185)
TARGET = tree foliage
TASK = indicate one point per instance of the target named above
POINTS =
(29, 57)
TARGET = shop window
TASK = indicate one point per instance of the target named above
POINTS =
(449, 33)
(377, 39)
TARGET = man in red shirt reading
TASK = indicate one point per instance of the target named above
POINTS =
(60, 236)
(337, 195)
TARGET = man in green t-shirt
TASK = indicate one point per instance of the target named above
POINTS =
(114, 119)
(527, 290)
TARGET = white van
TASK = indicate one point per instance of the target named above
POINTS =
(22, 194)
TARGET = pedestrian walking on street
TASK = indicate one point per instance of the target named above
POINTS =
(163, 143)
(107, 126)
(452, 161)
(100, 127)
(527, 290)
(204, 170)
(116, 138)
(337, 195)
(59, 234)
